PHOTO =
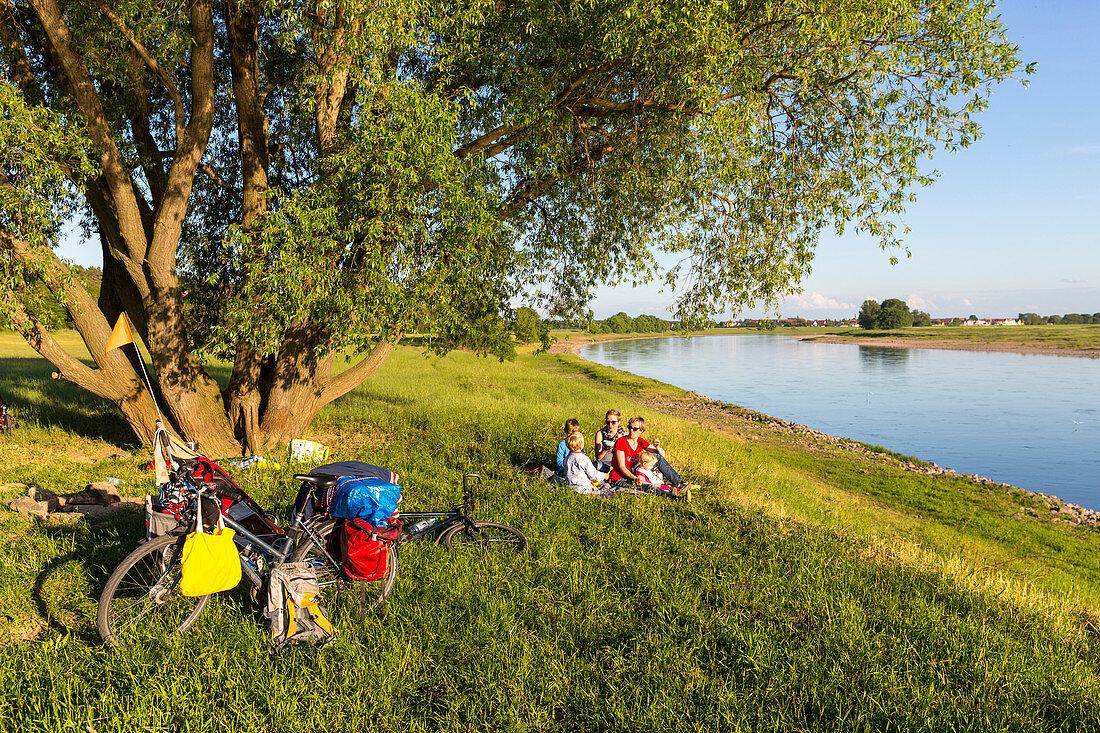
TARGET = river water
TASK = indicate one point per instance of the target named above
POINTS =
(1029, 420)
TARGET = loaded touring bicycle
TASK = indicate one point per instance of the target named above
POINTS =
(142, 599)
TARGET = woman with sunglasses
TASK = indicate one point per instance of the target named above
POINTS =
(606, 437)
(627, 450)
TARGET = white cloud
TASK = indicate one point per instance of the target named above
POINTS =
(819, 301)
(918, 303)
(967, 303)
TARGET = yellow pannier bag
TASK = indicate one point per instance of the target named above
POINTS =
(211, 562)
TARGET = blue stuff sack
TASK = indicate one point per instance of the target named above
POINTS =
(360, 497)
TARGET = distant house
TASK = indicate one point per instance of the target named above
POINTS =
(992, 322)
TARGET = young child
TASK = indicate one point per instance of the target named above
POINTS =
(580, 474)
(572, 425)
(646, 470)
(649, 476)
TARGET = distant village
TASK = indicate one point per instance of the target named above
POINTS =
(624, 323)
(854, 322)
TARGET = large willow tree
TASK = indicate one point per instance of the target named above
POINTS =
(276, 182)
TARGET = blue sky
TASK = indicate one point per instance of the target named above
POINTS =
(1013, 223)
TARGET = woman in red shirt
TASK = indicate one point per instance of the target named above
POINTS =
(626, 456)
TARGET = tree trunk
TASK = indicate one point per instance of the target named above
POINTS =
(267, 401)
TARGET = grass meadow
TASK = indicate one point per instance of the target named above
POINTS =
(804, 588)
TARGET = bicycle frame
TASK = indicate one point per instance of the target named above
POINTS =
(271, 553)
(457, 513)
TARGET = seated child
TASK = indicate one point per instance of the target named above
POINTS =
(650, 477)
(580, 474)
(572, 425)
(646, 470)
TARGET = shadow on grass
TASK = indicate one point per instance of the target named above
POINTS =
(108, 542)
(367, 400)
(53, 403)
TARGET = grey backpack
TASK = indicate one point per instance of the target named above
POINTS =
(294, 606)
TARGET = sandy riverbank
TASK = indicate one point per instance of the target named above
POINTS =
(953, 345)
(574, 343)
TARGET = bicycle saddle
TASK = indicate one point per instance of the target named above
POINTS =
(320, 480)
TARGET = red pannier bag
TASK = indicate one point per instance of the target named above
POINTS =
(365, 549)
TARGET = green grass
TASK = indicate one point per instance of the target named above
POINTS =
(804, 588)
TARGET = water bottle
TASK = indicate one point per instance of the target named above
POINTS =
(420, 526)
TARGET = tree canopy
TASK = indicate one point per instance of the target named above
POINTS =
(279, 183)
(893, 313)
(868, 314)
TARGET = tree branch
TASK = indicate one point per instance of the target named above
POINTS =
(57, 276)
(165, 78)
(161, 257)
(485, 142)
(42, 341)
(153, 162)
(207, 170)
(77, 81)
(532, 188)
(344, 382)
(17, 55)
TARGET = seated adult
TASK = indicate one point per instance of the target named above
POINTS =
(627, 450)
(606, 437)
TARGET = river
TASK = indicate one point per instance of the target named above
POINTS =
(1029, 420)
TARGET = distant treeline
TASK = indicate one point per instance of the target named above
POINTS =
(1068, 319)
(622, 323)
(45, 306)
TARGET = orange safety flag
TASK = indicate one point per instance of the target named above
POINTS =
(121, 335)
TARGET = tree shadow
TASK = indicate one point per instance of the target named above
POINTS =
(99, 546)
(362, 399)
(35, 397)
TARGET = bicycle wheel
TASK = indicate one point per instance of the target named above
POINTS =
(338, 594)
(141, 601)
(485, 535)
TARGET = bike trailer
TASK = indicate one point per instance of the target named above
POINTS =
(178, 468)
(236, 503)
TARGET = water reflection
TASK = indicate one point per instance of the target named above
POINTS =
(887, 358)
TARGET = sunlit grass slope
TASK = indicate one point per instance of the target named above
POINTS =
(801, 589)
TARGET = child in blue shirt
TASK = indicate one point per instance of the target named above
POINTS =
(572, 425)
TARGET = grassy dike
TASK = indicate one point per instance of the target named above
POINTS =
(1068, 340)
(804, 588)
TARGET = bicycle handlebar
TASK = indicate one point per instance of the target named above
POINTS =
(467, 493)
